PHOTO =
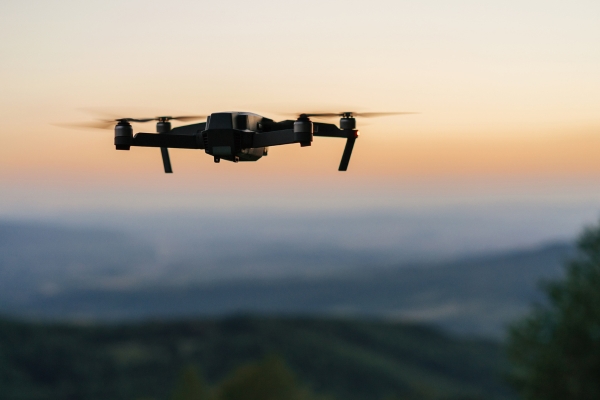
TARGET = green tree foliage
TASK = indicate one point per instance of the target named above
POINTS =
(191, 386)
(346, 359)
(269, 379)
(556, 350)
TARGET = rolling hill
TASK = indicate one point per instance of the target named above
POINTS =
(341, 358)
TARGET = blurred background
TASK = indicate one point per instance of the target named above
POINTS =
(444, 224)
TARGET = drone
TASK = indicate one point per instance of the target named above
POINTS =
(236, 136)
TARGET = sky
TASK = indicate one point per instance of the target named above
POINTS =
(508, 96)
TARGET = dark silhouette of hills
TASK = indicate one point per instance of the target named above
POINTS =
(344, 359)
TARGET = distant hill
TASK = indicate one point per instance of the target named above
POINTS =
(345, 359)
(44, 258)
(62, 273)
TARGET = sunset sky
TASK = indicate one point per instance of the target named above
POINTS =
(508, 95)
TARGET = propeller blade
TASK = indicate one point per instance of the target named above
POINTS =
(358, 114)
(382, 114)
(111, 122)
(189, 117)
(323, 114)
(166, 160)
(102, 123)
(136, 119)
(347, 153)
(92, 125)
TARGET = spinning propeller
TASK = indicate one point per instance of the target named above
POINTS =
(348, 124)
(163, 126)
(351, 114)
(109, 123)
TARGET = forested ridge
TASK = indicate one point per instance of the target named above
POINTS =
(337, 358)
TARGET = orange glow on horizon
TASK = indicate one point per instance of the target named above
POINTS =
(91, 157)
(496, 101)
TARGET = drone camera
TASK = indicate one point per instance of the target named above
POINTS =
(123, 135)
(241, 122)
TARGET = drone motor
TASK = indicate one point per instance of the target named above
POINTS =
(163, 125)
(347, 122)
(303, 125)
(123, 135)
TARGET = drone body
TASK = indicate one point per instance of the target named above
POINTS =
(236, 136)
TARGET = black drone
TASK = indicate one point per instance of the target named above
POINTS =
(236, 136)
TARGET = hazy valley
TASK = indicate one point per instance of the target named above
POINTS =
(53, 272)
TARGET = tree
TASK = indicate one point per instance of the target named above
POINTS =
(555, 351)
(269, 379)
(191, 386)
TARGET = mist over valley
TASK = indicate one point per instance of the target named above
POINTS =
(63, 272)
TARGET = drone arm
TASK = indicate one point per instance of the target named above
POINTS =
(166, 141)
(276, 138)
(190, 130)
(340, 134)
(328, 130)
